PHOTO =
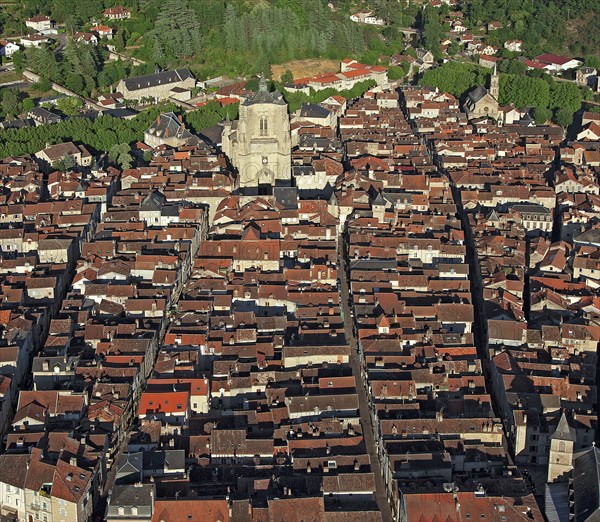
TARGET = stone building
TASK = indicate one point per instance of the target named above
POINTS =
(482, 102)
(158, 86)
(169, 129)
(259, 143)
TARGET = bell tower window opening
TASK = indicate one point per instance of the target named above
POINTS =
(263, 125)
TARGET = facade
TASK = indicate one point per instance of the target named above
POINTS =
(39, 23)
(259, 143)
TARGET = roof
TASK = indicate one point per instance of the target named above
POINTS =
(128, 496)
(13, 469)
(476, 94)
(564, 431)
(553, 59)
(198, 510)
(586, 484)
(311, 110)
(264, 96)
(160, 78)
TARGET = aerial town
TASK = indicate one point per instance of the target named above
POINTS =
(368, 293)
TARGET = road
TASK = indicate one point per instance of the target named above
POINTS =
(363, 403)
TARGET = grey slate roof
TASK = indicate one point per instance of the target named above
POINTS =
(160, 78)
(311, 110)
(128, 496)
(477, 93)
(586, 485)
(264, 96)
(564, 431)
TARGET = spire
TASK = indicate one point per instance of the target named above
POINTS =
(262, 83)
(564, 431)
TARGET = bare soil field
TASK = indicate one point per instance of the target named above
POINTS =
(303, 68)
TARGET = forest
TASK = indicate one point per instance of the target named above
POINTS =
(212, 37)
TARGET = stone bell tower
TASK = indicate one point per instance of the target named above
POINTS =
(259, 143)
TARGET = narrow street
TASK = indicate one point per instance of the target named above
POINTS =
(363, 403)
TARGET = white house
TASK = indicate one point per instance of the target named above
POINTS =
(39, 23)
(8, 48)
(513, 45)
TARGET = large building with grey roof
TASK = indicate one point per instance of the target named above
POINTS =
(158, 86)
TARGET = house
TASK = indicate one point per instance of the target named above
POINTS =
(54, 153)
(131, 502)
(8, 48)
(424, 55)
(591, 132)
(13, 471)
(555, 63)
(317, 114)
(86, 38)
(514, 45)
(158, 86)
(117, 13)
(39, 23)
(103, 31)
(488, 61)
(586, 76)
(169, 129)
(35, 40)
(366, 17)
(494, 26)
(43, 116)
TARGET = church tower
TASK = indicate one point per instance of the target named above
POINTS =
(259, 143)
(495, 85)
(562, 442)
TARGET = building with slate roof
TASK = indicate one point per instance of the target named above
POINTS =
(482, 102)
(158, 86)
(168, 129)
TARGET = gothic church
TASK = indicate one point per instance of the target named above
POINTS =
(259, 143)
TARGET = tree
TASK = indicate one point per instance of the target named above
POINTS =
(27, 105)
(18, 59)
(177, 29)
(456, 78)
(119, 154)
(563, 116)
(541, 115)
(287, 77)
(69, 105)
(11, 106)
(74, 82)
(66, 163)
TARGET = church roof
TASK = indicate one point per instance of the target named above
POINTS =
(477, 93)
(264, 96)
(586, 484)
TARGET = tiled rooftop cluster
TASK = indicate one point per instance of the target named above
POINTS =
(530, 210)
(119, 259)
(252, 398)
(45, 224)
(410, 294)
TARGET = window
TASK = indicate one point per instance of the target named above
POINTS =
(263, 125)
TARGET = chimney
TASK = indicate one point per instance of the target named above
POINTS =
(73, 461)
